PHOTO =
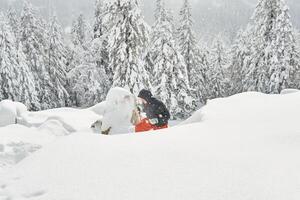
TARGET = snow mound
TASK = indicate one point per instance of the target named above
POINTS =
(71, 119)
(246, 147)
(259, 109)
(53, 127)
(10, 112)
(99, 109)
(120, 105)
(289, 91)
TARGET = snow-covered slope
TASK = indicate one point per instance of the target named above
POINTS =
(243, 147)
(71, 119)
(36, 129)
(17, 142)
(251, 110)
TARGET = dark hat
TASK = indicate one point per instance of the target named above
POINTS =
(145, 94)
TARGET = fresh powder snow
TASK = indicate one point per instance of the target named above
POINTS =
(244, 146)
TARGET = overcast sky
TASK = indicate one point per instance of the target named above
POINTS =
(211, 16)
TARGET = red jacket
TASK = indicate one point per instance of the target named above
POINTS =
(145, 125)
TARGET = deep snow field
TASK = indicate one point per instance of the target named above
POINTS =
(245, 147)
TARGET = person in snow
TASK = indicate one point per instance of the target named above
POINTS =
(157, 113)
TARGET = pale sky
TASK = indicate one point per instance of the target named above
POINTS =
(211, 16)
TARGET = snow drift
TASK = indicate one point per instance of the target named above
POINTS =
(10, 111)
(36, 129)
(245, 147)
(72, 119)
(251, 109)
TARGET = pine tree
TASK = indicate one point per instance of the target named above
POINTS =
(99, 26)
(100, 42)
(273, 59)
(216, 73)
(56, 66)
(77, 49)
(187, 39)
(239, 57)
(201, 81)
(158, 10)
(128, 38)
(88, 85)
(79, 28)
(297, 37)
(295, 77)
(13, 22)
(170, 80)
(33, 40)
(154, 34)
(191, 52)
(16, 80)
(88, 80)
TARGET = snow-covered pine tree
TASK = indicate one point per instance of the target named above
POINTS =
(78, 33)
(99, 26)
(13, 22)
(273, 61)
(216, 72)
(187, 39)
(191, 53)
(100, 42)
(128, 38)
(78, 46)
(158, 9)
(56, 65)
(88, 85)
(149, 54)
(202, 81)
(16, 79)
(239, 57)
(170, 80)
(297, 37)
(88, 81)
(33, 39)
(295, 77)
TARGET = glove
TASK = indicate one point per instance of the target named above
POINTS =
(153, 121)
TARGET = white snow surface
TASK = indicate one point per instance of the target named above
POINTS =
(99, 108)
(71, 118)
(36, 129)
(242, 147)
(18, 142)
